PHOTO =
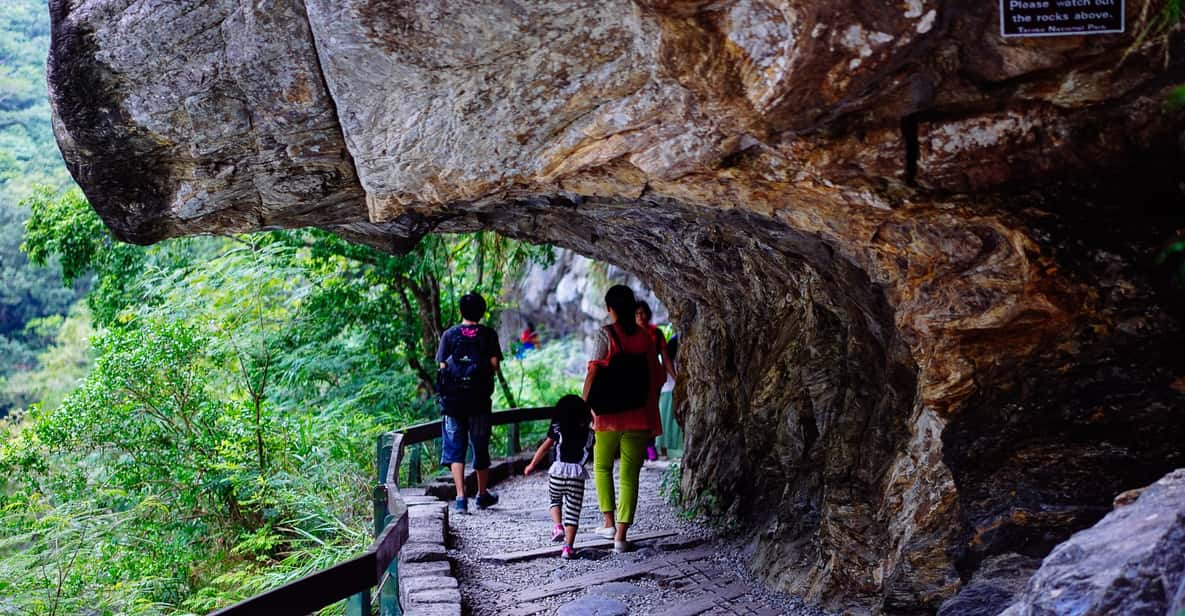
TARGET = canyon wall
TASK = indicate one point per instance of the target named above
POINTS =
(566, 299)
(918, 265)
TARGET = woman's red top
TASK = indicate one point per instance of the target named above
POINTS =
(646, 417)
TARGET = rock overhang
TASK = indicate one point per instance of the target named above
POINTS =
(837, 165)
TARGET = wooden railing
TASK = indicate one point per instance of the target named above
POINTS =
(354, 579)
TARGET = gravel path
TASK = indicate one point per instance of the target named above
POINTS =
(521, 521)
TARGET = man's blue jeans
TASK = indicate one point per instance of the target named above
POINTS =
(459, 432)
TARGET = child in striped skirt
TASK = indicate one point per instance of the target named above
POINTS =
(572, 435)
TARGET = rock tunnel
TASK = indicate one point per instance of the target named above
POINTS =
(918, 266)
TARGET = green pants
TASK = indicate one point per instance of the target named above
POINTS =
(632, 445)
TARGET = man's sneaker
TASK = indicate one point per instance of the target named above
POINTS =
(487, 500)
(461, 505)
(566, 552)
(557, 533)
(607, 532)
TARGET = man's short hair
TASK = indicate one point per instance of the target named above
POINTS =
(473, 307)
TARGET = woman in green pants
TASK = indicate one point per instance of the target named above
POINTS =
(625, 433)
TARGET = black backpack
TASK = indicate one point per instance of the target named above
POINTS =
(467, 375)
(623, 384)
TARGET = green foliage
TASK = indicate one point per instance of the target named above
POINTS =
(229, 419)
(671, 484)
(1155, 23)
(1176, 100)
(28, 156)
(65, 226)
(705, 506)
(62, 227)
(423, 287)
(29, 152)
(1167, 18)
(176, 424)
(540, 378)
(60, 366)
(544, 375)
(28, 294)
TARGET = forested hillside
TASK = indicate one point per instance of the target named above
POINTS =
(28, 157)
(193, 422)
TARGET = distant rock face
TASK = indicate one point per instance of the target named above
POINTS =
(1132, 562)
(567, 298)
(915, 263)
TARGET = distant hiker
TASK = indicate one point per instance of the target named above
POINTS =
(571, 433)
(670, 442)
(468, 355)
(529, 340)
(621, 385)
(643, 315)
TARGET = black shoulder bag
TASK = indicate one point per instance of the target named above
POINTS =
(623, 384)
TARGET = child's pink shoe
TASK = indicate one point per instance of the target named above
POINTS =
(651, 453)
(557, 533)
(566, 552)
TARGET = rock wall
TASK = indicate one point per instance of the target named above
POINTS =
(1131, 562)
(567, 298)
(916, 262)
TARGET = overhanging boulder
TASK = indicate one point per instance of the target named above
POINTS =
(912, 261)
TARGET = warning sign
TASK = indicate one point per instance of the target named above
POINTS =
(1060, 17)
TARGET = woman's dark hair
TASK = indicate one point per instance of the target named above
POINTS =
(644, 307)
(530, 326)
(572, 413)
(473, 307)
(621, 299)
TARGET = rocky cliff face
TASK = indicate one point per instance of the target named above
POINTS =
(915, 262)
(567, 298)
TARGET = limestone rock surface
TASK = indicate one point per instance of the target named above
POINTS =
(918, 267)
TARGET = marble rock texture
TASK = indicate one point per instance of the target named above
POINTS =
(917, 265)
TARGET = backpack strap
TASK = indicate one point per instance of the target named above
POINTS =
(613, 334)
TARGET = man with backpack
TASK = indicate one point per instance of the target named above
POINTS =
(468, 357)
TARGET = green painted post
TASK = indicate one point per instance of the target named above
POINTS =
(389, 593)
(380, 508)
(359, 604)
(379, 496)
(413, 466)
(383, 455)
(513, 445)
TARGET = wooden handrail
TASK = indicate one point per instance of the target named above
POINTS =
(328, 586)
(356, 576)
(419, 433)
